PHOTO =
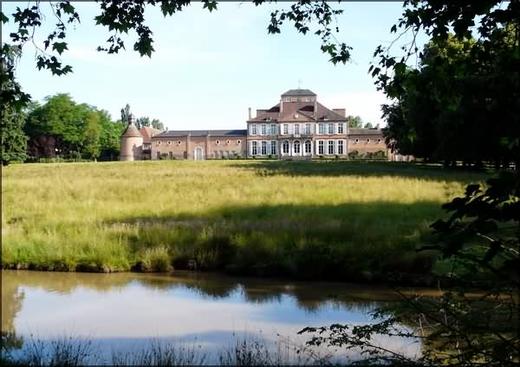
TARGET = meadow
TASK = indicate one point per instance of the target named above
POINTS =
(312, 220)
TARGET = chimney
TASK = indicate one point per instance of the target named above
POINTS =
(340, 111)
(249, 109)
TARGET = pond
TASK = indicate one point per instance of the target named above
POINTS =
(208, 314)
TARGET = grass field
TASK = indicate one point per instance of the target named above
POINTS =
(338, 220)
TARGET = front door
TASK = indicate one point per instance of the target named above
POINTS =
(198, 154)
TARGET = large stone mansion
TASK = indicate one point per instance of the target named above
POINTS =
(298, 127)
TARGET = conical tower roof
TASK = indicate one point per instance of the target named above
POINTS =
(131, 132)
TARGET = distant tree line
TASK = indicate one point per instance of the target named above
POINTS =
(357, 122)
(62, 128)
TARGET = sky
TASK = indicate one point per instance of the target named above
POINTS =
(209, 68)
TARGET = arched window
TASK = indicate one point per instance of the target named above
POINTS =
(308, 147)
(285, 147)
(297, 147)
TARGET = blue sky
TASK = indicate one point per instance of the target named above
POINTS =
(208, 68)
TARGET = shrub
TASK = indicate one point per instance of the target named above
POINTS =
(155, 259)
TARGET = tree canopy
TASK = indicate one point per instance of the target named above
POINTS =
(65, 128)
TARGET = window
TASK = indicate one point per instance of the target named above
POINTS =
(340, 128)
(254, 148)
(253, 129)
(264, 129)
(285, 147)
(340, 147)
(378, 141)
(356, 141)
(217, 142)
(286, 129)
(159, 142)
(264, 148)
(293, 99)
(296, 147)
(308, 147)
(297, 129)
(273, 147)
(331, 129)
(331, 147)
(308, 129)
(239, 142)
(273, 129)
(169, 142)
(227, 142)
(320, 147)
(368, 141)
(322, 128)
(178, 142)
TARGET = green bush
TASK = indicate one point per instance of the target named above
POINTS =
(155, 259)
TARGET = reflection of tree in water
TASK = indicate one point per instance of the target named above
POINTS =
(12, 298)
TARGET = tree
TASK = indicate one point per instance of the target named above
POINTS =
(68, 129)
(446, 104)
(368, 125)
(354, 121)
(110, 137)
(145, 121)
(125, 114)
(13, 100)
(14, 141)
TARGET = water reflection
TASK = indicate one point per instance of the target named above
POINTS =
(211, 309)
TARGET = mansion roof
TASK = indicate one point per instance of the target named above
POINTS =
(297, 112)
(298, 92)
(201, 133)
(362, 131)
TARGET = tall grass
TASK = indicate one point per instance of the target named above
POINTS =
(246, 351)
(304, 219)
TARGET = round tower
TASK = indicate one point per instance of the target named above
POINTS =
(131, 142)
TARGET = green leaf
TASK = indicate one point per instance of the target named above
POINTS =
(59, 47)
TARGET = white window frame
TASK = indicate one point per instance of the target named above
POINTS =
(273, 147)
(297, 147)
(273, 129)
(341, 147)
(254, 147)
(321, 129)
(330, 129)
(308, 144)
(341, 128)
(285, 129)
(264, 129)
(329, 145)
(253, 129)
(308, 129)
(321, 147)
(285, 147)
(263, 147)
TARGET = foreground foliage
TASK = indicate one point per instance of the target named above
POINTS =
(481, 239)
(337, 220)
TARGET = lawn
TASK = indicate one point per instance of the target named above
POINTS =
(328, 220)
